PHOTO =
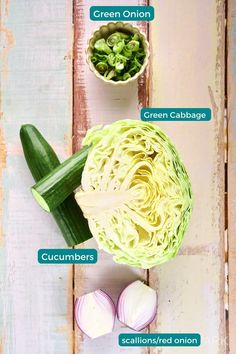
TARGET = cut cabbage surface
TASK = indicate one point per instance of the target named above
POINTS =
(135, 193)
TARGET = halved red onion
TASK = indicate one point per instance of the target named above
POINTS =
(95, 314)
(137, 305)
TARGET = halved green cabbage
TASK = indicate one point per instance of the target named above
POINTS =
(135, 193)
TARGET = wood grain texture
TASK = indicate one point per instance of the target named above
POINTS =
(232, 172)
(35, 85)
(188, 71)
(98, 103)
(36, 78)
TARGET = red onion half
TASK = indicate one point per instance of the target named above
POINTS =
(95, 314)
(137, 305)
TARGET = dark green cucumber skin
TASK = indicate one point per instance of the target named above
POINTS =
(63, 180)
(41, 160)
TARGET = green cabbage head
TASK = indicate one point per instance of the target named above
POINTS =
(135, 193)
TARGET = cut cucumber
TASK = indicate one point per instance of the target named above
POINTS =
(41, 160)
(54, 188)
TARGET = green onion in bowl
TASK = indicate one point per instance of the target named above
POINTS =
(118, 53)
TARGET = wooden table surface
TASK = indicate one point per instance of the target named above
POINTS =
(45, 81)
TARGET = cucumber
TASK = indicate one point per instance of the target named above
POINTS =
(41, 160)
(54, 188)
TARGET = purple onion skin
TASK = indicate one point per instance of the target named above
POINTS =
(147, 323)
(76, 303)
(109, 298)
(145, 326)
(75, 306)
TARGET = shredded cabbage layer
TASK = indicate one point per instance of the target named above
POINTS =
(135, 193)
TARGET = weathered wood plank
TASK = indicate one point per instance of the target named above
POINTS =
(98, 103)
(35, 69)
(188, 71)
(232, 172)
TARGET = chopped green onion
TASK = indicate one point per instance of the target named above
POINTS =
(126, 76)
(102, 67)
(101, 46)
(140, 54)
(113, 39)
(111, 59)
(133, 46)
(119, 66)
(118, 47)
(127, 52)
(136, 37)
(109, 74)
(101, 57)
(124, 35)
(120, 62)
(119, 57)
(94, 59)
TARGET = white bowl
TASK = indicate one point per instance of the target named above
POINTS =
(103, 32)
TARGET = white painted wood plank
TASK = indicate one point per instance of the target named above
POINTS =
(188, 71)
(99, 103)
(35, 68)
